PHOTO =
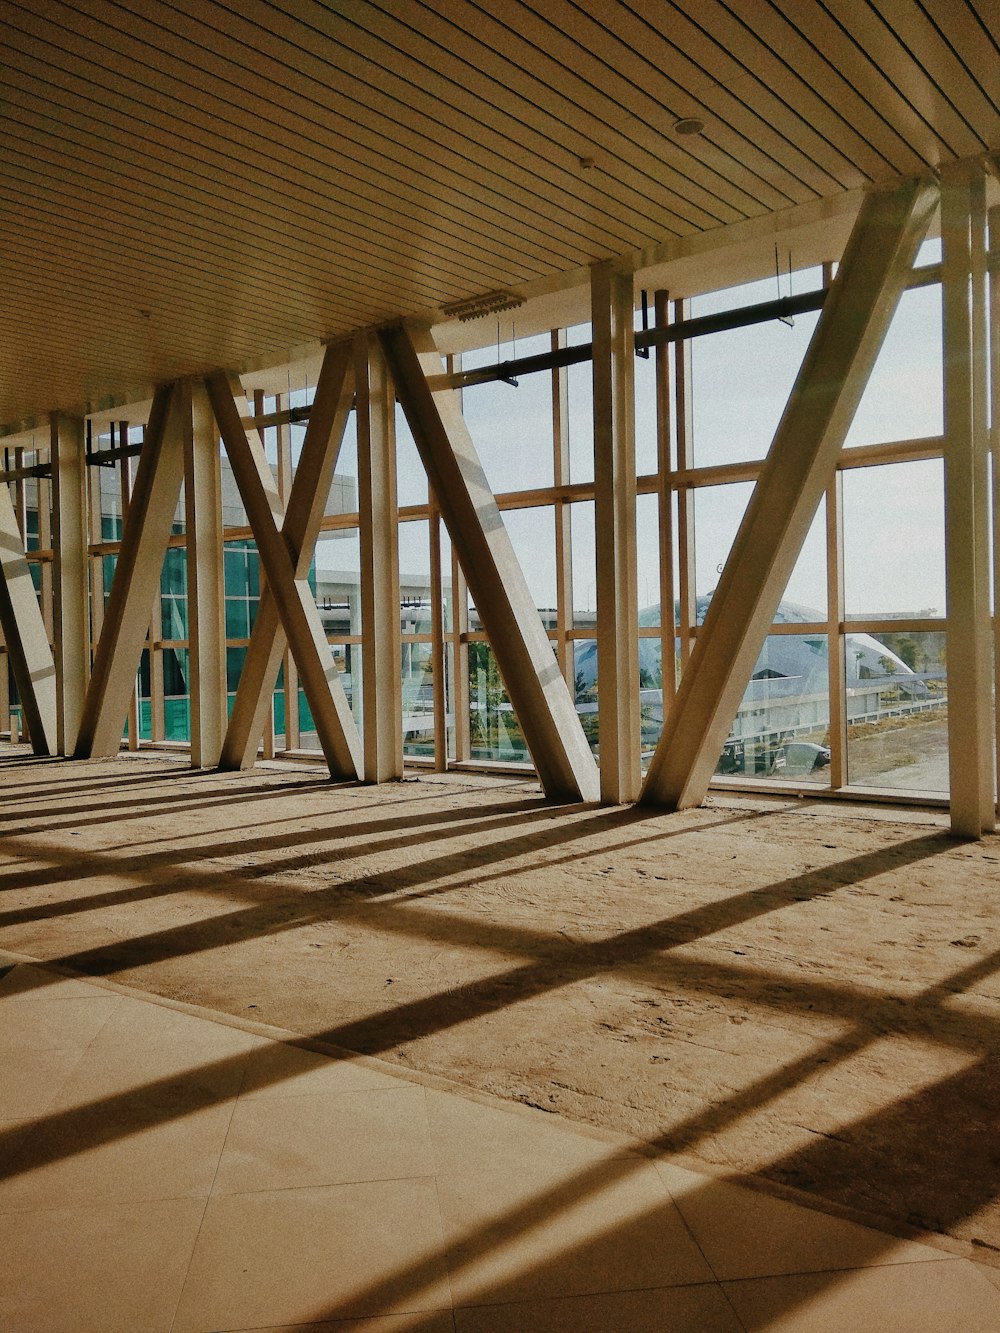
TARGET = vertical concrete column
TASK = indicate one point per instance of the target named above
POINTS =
(615, 530)
(206, 597)
(665, 469)
(71, 628)
(382, 698)
(994, 341)
(970, 712)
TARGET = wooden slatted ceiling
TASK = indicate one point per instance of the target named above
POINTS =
(209, 182)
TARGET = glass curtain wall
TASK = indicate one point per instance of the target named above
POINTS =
(850, 689)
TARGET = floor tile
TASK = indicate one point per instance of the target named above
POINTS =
(121, 1149)
(33, 1079)
(468, 1135)
(24, 983)
(298, 1256)
(610, 1227)
(143, 1021)
(120, 1065)
(110, 1268)
(945, 1297)
(746, 1233)
(279, 1069)
(701, 1309)
(73, 1022)
(325, 1139)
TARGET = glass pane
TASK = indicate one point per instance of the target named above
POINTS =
(580, 386)
(650, 694)
(347, 657)
(897, 710)
(447, 589)
(645, 414)
(741, 380)
(894, 540)
(337, 586)
(717, 514)
(145, 703)
(494, 729)
(781, 729)
(108, 480)
(805, 591)
(415, 576)
(584, 564)
(344, 486)
(512, 427)
(647, 523)
(904, 397)
(173, 595)
(585, 687)
(176, 696)
(533, 535)
(418, 699)
(411, 479)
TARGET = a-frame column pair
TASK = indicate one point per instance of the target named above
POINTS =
(180, 443)
(182, 436)
(351, 373)
(800, 464)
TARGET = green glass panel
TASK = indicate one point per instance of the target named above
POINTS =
(237, 618)
(235, 657)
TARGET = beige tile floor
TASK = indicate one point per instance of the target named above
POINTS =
(161, 1170)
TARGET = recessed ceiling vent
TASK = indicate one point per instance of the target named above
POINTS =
(486, 304)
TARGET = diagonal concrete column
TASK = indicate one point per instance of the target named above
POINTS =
(517, 636)
(137, 575)
(24, 634)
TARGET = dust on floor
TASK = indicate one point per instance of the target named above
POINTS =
(781, 988)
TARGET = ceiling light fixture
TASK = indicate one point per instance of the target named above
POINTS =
(486, 304)
(689, 125)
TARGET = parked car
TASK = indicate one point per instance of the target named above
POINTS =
(804, 756)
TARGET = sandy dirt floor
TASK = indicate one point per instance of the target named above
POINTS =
(782, 988)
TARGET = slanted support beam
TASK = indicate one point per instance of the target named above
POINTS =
(24, 634)
(382, 697)
(70, 583)
(137, 574)
(285, 556)
(517, 636)
(799, 467)
(966, 446)
(612, 309)
(206, 597)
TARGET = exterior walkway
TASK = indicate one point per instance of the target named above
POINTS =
(162, 1170)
